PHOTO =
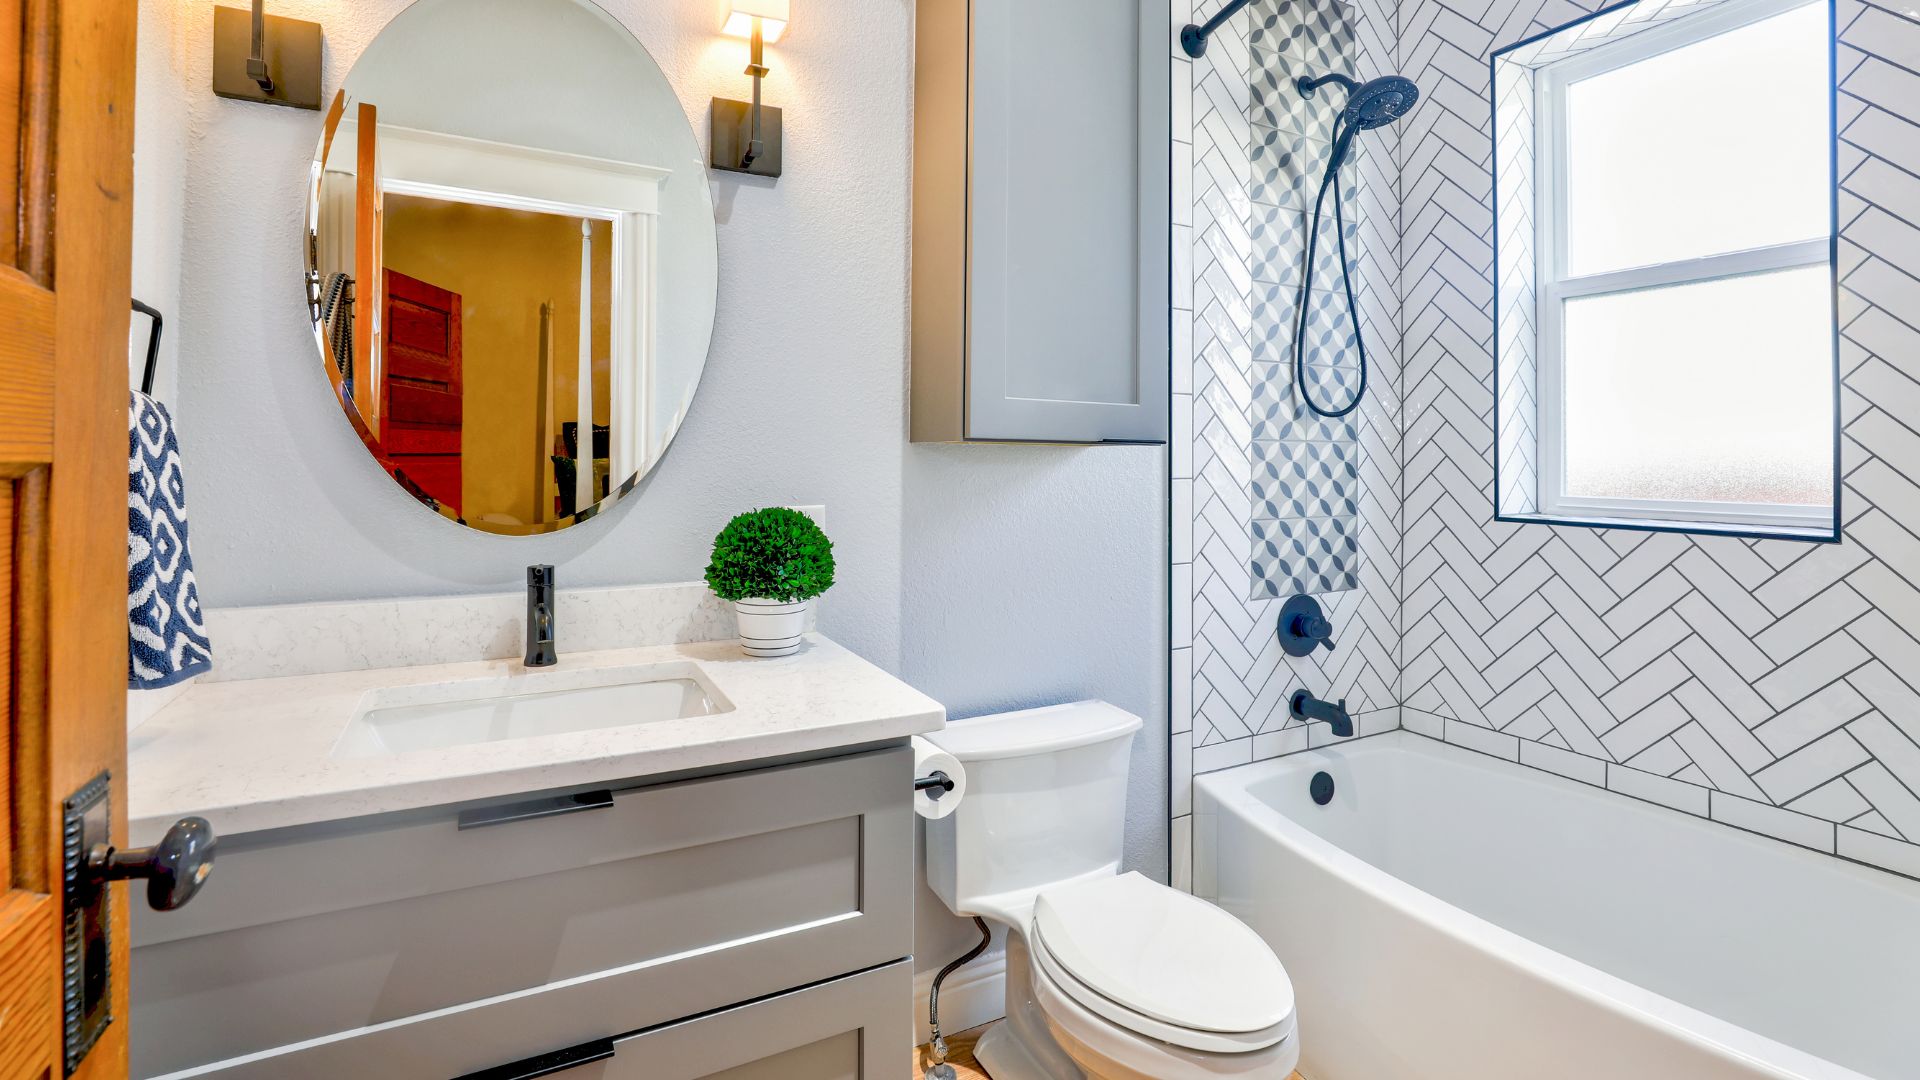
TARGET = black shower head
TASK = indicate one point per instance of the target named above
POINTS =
(1379, 102)
(1371, 104)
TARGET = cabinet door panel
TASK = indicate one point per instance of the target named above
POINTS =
(858, 1027)
(1067, 272)
(696, 895)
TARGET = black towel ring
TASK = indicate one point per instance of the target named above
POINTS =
(153, 345)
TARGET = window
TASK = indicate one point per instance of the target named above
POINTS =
(1683, 354)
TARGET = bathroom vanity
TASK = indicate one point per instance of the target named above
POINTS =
(723, 888)
(657, 857)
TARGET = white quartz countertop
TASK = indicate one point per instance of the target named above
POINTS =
(257, 754)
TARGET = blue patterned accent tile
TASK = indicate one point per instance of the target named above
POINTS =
(1293, 480)
(1333, 386)
(1287, 170)
(1320, 32)
(1330, 333)
(1315, 555)
(1276, 100)
(1277, 414)
(1280, 245)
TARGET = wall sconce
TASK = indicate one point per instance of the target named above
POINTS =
(745, 137)
(266, 58)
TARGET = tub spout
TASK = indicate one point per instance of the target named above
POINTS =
(1305, 706)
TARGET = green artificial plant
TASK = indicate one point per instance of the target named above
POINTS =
(771, 554)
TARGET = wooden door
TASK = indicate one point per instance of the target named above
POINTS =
(66, 179)
(421, 394)
(369, 229)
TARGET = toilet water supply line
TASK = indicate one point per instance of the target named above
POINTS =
(940, 1070)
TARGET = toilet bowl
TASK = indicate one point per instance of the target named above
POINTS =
(1110, 976)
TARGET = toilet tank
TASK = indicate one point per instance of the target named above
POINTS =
(1045, 802)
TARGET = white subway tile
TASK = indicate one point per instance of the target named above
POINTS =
(1773, 821)
(1565, 762)
(1485, 740)
(1659, 789)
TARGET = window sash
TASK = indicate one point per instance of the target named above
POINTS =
(1555, 287)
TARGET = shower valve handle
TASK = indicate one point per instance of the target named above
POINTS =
(1303, 627)
(1320, 630)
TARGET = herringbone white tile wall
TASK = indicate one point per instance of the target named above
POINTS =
(1230, 679)
(1767, 684)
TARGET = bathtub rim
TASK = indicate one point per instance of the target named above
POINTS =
(1229, 790)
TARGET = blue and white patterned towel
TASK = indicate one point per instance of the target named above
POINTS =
(166, 638)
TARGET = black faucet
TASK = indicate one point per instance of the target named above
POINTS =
(1305, 706)
(540, 650)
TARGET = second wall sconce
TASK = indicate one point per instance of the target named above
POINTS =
(745, 136)
(266, 58)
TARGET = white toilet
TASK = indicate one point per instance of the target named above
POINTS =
(1110, 976)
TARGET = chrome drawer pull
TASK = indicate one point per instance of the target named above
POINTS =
(547, 1064)
(536, 808)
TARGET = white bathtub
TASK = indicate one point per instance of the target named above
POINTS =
(1449, 916)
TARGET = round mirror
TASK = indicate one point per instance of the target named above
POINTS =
(510, 259)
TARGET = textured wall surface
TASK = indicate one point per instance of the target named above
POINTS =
(1000, 613)
(159, 187)
(1245, 465)
(802, 398)
(1766, 684)
(1037, 573)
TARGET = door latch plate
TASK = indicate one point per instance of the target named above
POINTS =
(85, 952)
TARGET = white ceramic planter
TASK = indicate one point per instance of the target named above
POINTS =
(771, 627)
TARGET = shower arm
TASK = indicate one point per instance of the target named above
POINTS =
(1194, 38)
(1308, 86)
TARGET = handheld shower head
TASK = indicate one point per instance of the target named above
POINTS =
(1379, 102)
(1372, 104)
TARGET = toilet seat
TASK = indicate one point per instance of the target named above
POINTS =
(1162, 964)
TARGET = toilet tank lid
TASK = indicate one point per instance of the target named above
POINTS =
(1035, 731)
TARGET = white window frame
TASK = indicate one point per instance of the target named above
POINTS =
(1556, 287)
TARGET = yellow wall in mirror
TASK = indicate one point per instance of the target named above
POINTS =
(505, 264)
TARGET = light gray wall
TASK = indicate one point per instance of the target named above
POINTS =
(1034, 575)
(159, 190)
(988, 576)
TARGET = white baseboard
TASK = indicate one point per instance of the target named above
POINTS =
(974, 995)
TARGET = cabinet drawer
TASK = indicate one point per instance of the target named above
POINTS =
(859, 1027)
(690, 896)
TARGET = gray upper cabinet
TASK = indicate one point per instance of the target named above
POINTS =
(1040, 222)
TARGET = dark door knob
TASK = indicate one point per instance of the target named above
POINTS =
(175, 868)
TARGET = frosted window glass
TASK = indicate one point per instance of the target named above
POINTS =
(1719, 146)
(1719, 391)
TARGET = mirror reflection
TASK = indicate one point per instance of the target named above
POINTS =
(511, 281)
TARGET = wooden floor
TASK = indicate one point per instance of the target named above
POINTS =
(960, 1056)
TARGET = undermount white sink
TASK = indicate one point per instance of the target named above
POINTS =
(402, 720)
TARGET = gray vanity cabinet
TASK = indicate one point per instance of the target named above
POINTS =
(630, 930)
(1041, 276)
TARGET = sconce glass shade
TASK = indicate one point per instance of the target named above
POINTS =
(771, 13)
